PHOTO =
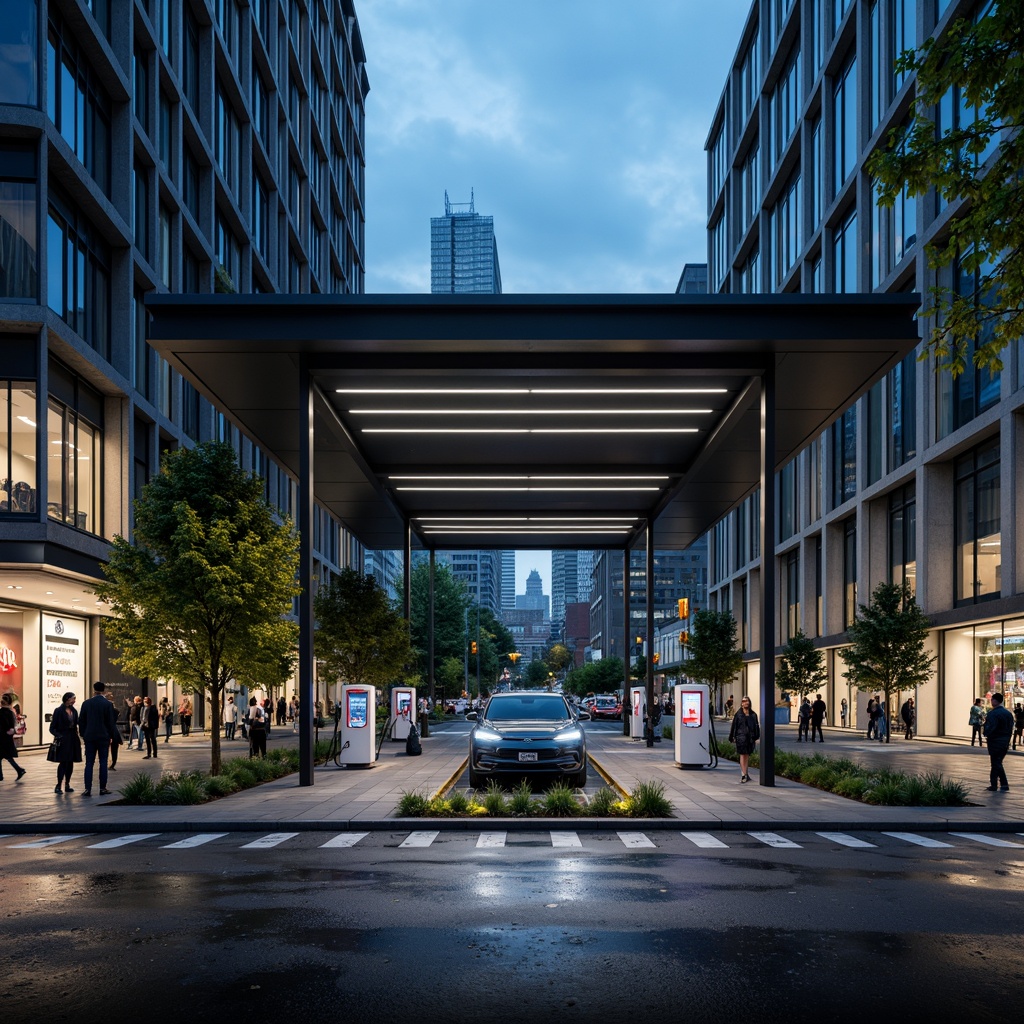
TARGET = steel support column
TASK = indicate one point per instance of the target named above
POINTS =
(425, 724)
(305, 526)
(627, 641)
(767, 538)
(649, 629)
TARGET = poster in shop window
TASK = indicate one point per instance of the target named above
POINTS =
(64, 661)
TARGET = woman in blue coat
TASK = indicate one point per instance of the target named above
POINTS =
(64, 729)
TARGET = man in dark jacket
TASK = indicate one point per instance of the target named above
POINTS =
(97, 722)
(998, 733)
(150, 725)
(818, 710)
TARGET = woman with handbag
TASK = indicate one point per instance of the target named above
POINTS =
(745, 733)
(66, 747)
(8, 730)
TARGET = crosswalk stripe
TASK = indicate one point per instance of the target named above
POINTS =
(988, 840)
(36, 844)
(418, 839)
(565, 839)
(273, 839)
(844, 840)
(198, 840)
(113, 844)
(913, 837)
(705, 840)
(635, 840)
(490, 839)
(345, 840)
(774, 840)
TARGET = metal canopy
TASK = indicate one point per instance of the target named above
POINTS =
(532, 421)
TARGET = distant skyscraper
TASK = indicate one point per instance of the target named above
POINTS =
(463, 252)
(480, 572)
(508, 579)
(693, 280)
(534, 599)
(570, 581)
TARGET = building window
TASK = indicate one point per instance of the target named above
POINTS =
(226, 13)
(902, 433)
(77, 104)
(190, 410)
(19, 200)
(792, 593)
(165, 246)
(140, 458)
(819, 604)
(817, 173)
(786, 483)
(839, 9)
(719, 252)
(785, 228)
(814, 482)
(750, 79)
(191, 272)
(191, 184)
(190, 61)
(750, 187)
(719, 160)
(903, 537)
(140, 95)
(18, 431)
(165, 26)
(165, 136)
(227, 142)
(140, 209)
(750, 274)
(976, 529)
(849, 571)
(875, 401)
(78, 273)
(19, 63)
(229, 253)
(844, 457)
(74, 428)
(844, 124)
(902, 36)
(261, 110)
(844, 255)
(141, 375)
(785, 105)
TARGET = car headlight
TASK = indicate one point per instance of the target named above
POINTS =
(487, 736)
(568, 736)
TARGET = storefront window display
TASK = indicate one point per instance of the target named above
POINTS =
(978, 661)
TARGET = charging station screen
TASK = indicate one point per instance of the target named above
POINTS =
(404, 700)
(357, 709)
(691, 716)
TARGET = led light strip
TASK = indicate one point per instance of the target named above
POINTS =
(531, 391)
(533, 430)
(496, 411)
(547, 479)
(520, 490)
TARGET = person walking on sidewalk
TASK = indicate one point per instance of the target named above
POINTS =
(1018, 724)
(881, 722)
(818, 712)
(745, 732)
(135, 720)
(150, 727)
(185, 716)
(257, 729)
(998, 731)
(64, 730)
(116, 739)
(8, 730)
(872, 717)
(976, 720)
(907, 714)
(842, 712)
(96, 722)
(230, 718)
(803, 719)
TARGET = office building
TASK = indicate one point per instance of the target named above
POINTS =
(148, 145)
(916, 482)
(570, 582)
(463, 252)
(508, 579)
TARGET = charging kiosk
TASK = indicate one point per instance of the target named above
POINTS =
(637, 703)
(403, 711)
(693, 726)
(358, 726)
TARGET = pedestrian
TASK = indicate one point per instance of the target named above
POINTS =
(185, 716)
(282, 710)
(96, 721)
(881, 721)
(818, 713)
(295, 716)
(268, 713)
(150, 727)
(135, 719)
(729, 707)
(257, 729)
(21, 726)
(230, 718)
(976, 720)
(843, 708)
(291, 709)
(998, 732)
(167, 717)
(8, 730)
(803, 718)
(872, 716)
(745, 732)
(1018, 725)
(907, 714)
(116, 739)
(64, 730)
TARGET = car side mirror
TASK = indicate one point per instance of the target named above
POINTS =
(583, 716)
(470, 716)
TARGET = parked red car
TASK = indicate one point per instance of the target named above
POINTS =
(606, 707)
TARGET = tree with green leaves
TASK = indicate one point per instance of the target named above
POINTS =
(558, 657)
(802, 668)
(972, 77)
(714, 657)
(360, 637)
(602, 676)
(887, 644)
(535, 674)
(200, 594)
(451, 602)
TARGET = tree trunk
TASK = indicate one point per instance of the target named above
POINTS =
(216, 695)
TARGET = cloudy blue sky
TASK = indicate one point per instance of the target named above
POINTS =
(579, 123)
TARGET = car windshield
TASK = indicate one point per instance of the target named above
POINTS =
(606, 700)
(527, 707)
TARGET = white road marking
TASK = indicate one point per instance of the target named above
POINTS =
(565, 839)
(490, 839)
(636, 840)
(989, 840)
(273, 839)
(913, 837)
(705, 840)
(418, 839)
(844, 840)
(36, 844)
(198, 840)
(113, 844)
(345, 840)
(774, 840)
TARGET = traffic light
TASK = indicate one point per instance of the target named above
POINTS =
(684, 607)
(656, 658)
(472, 647)
(639, 641)
(684, 638)
(514, 657)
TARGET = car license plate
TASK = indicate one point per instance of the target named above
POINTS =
(527, 755)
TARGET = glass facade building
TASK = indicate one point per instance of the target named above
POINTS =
(463, 252)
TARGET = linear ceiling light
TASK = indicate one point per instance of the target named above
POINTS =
(532, 430)
(564, 520)
(531, 412)
(541, 532)
(493, 478)
(520, 490)
(531, 391)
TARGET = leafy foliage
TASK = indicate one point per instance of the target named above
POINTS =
(975, 164)
(714, 657)
(201, 595)
(602, 676)
(802, 669)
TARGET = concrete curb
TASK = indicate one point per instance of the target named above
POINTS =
(607, 776)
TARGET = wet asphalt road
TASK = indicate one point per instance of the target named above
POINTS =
(526, 932)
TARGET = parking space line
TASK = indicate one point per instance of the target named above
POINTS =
(37, 844)
(913, 837)
(268, 841)
(191, 841)
(418, 839)
(844, 840)
(705, 840)
(775, 841)
(490, 839)
(636, 841)
(113, 844)
(565, 839)
(977, 837)
(344, 840)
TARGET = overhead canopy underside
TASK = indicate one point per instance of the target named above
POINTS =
(532, 421)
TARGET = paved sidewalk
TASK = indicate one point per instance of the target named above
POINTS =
(366, 799)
